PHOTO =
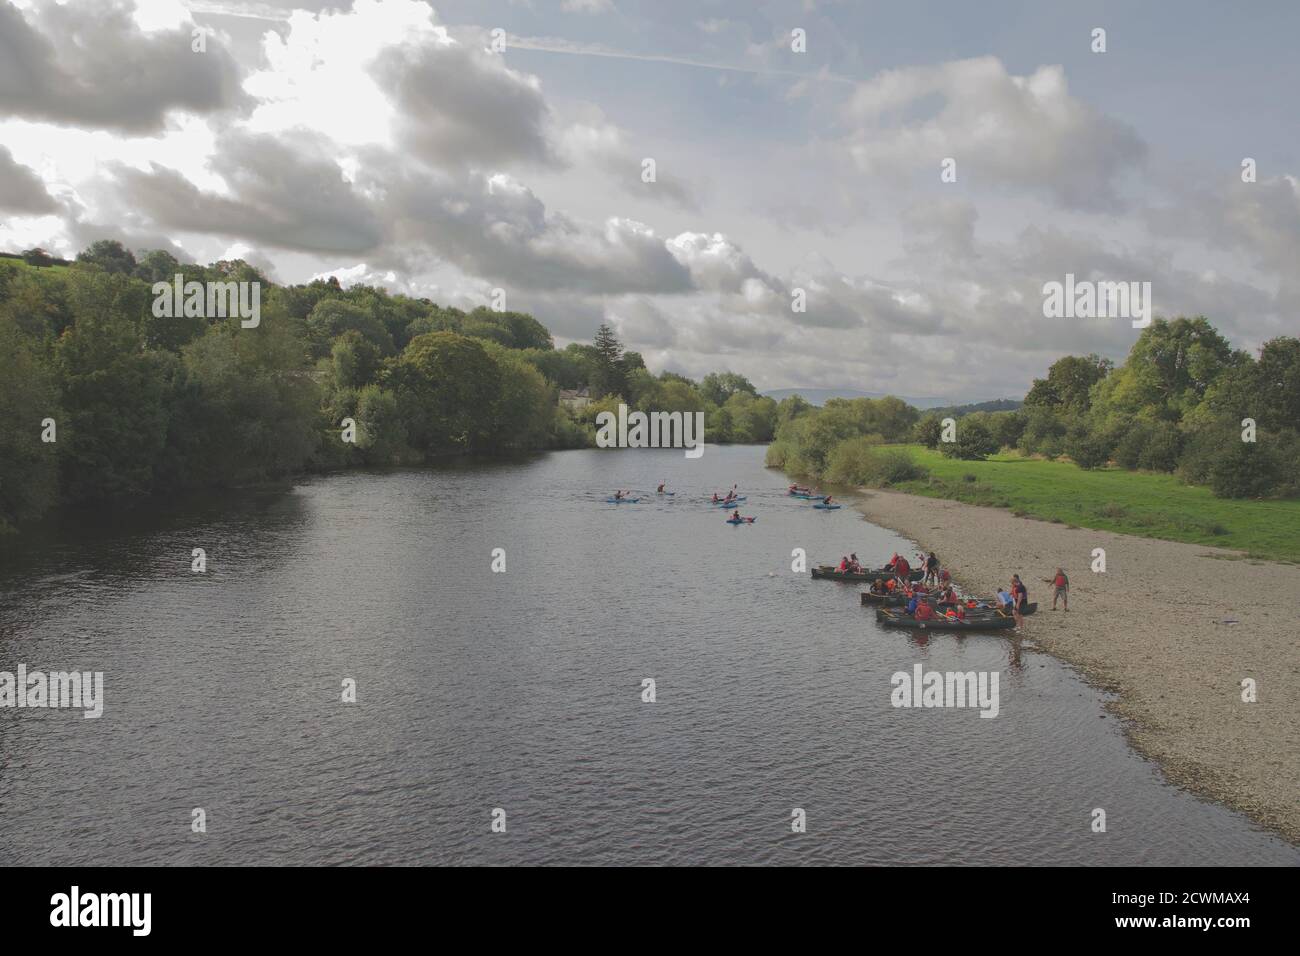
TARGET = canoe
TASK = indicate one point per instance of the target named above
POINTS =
(622, 501)
(828, 507)
(870, 599)
(741, 520)
(889, 618)
(1030, 608)
(830, 572)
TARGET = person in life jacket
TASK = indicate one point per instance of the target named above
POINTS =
(913, 605)
(1061, 588)
(844, 564)
(1019, 598)
(891, 584)
(924, 612)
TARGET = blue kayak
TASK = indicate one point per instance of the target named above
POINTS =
(622, 501)
(727, 504)
(828, 507)
(741, 520)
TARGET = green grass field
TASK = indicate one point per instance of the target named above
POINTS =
(1111, 499)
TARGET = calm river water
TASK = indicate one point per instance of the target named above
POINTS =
(522, 690)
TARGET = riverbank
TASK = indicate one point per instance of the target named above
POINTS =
(1151, 630)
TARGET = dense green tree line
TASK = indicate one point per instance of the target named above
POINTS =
(100, 399)
(1182, 402)
(1177, 404)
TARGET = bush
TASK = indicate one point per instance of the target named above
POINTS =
(1087, 450)
(974, 441)
(1245, 470)
(861, 461)
(927, 431)
(1163, 446)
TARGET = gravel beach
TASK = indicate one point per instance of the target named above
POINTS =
(1152, 630)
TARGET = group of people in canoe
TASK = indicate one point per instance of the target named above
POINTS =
(935, 595)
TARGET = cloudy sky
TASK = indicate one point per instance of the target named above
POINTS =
(387, 141)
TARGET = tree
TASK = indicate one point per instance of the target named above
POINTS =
(28, 395)
(446, 386)
(610, 374)
(717, 387)
(158, 265)
(928, 431)
(116, 392)
(109, 255)
(37, 257)
(1069, 383)
(332, 317)
(354, 360)
(1278, 384)
(974, 441)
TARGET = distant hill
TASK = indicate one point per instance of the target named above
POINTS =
(997, 405)
(819, 396)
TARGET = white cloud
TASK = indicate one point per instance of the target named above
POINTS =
(1015, 131)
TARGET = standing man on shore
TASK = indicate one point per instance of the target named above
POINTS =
(1019, 598)
(1061, 585)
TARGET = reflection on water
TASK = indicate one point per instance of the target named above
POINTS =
(522, 690)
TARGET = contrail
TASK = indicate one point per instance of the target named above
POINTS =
(250, 11)
(556, 45)
(259, 11)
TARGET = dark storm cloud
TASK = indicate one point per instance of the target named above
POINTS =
(459, 105)
(494, 227)
(87, 64)
(289, 197)
(21, 190)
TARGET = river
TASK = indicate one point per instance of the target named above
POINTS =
(523, 690)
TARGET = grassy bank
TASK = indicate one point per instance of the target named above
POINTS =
(1111, 499)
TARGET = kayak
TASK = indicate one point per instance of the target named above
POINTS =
(668, 493)
(726, 504)
(741, 520)
(622, 501)
(828, 507)
(833, 573)
(801, 493)
(938, 623)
